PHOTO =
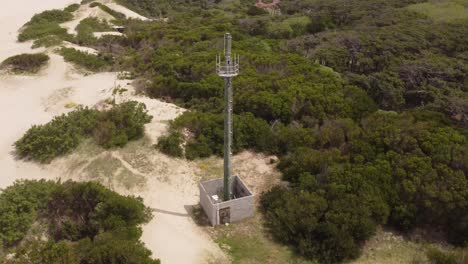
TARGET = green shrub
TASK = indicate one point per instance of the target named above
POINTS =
(119, 17)
(71, 8)
(64, 133)
(122, 123)
(55, 15)
(255, 11)
(85, 60)
(36, 31)
(437, 256)
(43, 143)
(19, 207)
(47, 41)
(87, 27)
(171, 144)
(45, 24)
(25, 63)
(94, 4)
(89, 223)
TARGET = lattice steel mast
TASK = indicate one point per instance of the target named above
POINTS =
(227, 69)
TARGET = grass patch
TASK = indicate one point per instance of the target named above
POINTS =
(443, 11)
(25, 63)
(85, 60)
(45, 24)
(246, 243)
(109, 170)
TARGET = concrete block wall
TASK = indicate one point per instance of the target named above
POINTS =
(240, 208)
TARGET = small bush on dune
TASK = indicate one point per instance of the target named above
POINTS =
(83, 59)
(117, 15)
(55, 15)
(36, 31)
(64, 133)
(25, 63)
(46, 24)
(171, 144)
(121, 124)
(47, 41)
(87, 27)
(71, 8)
(45, 142)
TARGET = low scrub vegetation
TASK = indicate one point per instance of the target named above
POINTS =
(437, 256)
(119, 17)
(86, 60)
(111, 128)
(25, 63)
(46, 24)
(71, 8)
(87, 27)
(370, 130)
(85, 223)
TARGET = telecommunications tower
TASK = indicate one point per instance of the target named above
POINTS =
(227, 69)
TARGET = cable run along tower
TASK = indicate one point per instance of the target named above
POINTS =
(237, 201)
(227, 69)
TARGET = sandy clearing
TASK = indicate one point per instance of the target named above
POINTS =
(27, 100)
(110, 33)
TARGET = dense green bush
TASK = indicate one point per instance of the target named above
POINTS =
(122, 123)
(87, 61)
(151, 8)
(71, 8)
(87, 223)
(45, 142)
(171, 144)
(46, 24)
(25, 63)
(19, 208)
(111, 128)
(87, 27)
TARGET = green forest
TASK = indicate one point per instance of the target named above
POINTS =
(364, 102)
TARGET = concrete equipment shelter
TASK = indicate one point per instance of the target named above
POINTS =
(221, 212)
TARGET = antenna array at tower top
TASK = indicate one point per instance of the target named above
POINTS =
(229, 67)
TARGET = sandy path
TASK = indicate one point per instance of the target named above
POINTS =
(26, 100)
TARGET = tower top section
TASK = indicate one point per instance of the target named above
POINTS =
(229, 67)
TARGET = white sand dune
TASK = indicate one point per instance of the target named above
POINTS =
(127, 12)
(28, 100)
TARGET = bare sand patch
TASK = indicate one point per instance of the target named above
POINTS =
(110, 33)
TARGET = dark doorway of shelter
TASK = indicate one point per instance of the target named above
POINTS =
(225, 216)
